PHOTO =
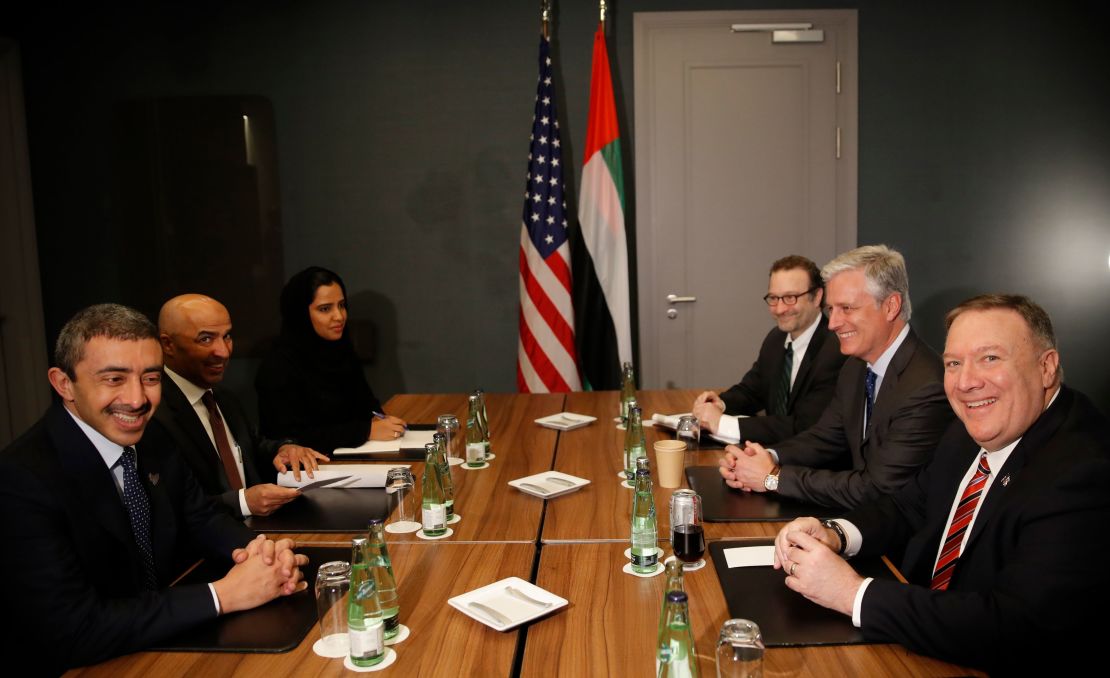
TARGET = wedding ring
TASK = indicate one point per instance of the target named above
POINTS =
(793, 566)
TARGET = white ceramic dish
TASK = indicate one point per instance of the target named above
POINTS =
(566, 421)
(556, 487)
(517, 611)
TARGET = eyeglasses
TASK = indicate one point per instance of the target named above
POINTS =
(788, 299)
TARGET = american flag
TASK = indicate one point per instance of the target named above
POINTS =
(546, 359)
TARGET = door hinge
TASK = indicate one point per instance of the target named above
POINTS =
(838, 143)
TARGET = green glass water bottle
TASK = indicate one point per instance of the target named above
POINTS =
(445, 479)
(483, 420)
(365, 627)
(634, 445)
(628, 390)
(475, 442)
(382, 570)
(645, 557)
(676, 656)
(433, 509)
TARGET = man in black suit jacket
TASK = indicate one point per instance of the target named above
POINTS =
(95, 518)
(196, 337)
(874, 435)
(1002, 532)
(791, 395)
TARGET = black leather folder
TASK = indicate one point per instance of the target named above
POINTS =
(278, 626)
(344, 509)
(785, 618)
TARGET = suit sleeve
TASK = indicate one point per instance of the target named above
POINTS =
(59, 607)
(907, 445)
(750, 395)
(1047, 580)
(808, 406)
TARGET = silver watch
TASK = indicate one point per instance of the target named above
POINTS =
(771, 481)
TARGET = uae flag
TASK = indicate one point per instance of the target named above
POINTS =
(545, 351)
(600, 255)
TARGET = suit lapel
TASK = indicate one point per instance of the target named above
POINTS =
(89, 478)
(1033, 441)
(886, 396)
(808, 359)
(853, 413)
(185, 416)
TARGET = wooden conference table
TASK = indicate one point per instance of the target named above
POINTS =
(570, 545)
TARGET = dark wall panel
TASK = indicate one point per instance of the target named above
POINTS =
(402, 127)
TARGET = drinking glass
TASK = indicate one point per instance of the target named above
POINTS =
(332, 583)
(687, 535)
(740, 650)
(399, 482)
(448, 425)
(689, 431)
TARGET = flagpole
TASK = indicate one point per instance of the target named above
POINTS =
(601, 6)
(545, 17)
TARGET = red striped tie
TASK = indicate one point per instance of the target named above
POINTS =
(965, 511)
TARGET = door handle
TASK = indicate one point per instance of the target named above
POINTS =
(675, 299)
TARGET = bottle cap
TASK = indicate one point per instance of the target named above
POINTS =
(676, 597)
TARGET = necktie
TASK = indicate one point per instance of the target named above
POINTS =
(782, 395)
(965, 511)
(138, 511)
(223, 445)
(869, 387)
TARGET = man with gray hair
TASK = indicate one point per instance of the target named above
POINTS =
(96, 519)
(889, 408)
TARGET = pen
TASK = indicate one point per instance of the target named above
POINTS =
(380, 415)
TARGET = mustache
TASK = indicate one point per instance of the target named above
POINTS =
(133, 411)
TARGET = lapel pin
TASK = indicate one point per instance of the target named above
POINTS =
(153, 478)
(1005, 480)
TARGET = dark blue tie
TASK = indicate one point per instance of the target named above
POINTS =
(782, 394)
(138, 510)
(869, 386)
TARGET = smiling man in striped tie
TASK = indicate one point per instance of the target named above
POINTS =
(1003, 532)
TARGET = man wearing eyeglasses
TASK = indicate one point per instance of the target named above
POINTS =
(888, 410)
(793, 378)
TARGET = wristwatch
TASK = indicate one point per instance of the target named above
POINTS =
(771, 482)
(835, 527)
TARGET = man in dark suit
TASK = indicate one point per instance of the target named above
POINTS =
(95, 517)
(1002, 533)
(792, 380)
(207, 424)
(888, 410)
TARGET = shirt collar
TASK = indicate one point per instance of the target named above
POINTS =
(191, 391)
(880, 365)
(110, 452)
(803, 339)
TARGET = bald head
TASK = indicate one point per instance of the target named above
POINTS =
(195, 333)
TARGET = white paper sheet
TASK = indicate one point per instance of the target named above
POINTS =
(362, 475)
(412, 440)
(750, 556)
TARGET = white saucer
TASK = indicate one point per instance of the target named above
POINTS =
(454, 519)
(333, 647)
(402, 634)
(686, 567)
(455, 461)
(448, 533)
(402, 527)
(390, 657)
(467, 467)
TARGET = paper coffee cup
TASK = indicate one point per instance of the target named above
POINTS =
(668, 459)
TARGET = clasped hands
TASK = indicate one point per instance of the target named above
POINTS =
(263, 570)
(806, 551)
(745, 469)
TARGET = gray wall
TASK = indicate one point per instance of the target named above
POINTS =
(402, 131)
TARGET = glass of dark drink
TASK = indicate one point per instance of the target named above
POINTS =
(687, 535)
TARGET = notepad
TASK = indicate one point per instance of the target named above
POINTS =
(412, 440)
(750, 556)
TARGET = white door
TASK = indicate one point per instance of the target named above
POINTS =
(745, 152)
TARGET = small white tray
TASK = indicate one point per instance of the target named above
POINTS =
(496, 596)
(543, 480)
(566, 421)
